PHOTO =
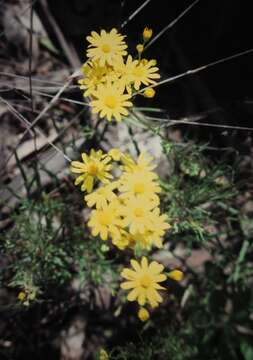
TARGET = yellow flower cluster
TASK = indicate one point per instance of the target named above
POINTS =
(124, 195)
(126, 206)
(27, 295)
(111, 75)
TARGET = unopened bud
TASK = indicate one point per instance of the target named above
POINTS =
(149, 93)
(140, 48)
(176, 275)
(147, 34)
(143, 314)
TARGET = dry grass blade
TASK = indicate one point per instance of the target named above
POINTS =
(30, 56)
(27, 123)
(39, 116)
(57, 83)
(134, 14)
(170, 25)
(171, 122)
(63, 98)
(196, 70)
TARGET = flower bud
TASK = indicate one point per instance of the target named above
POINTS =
(176, 275)
(143, 314)
(149, 93)
(144, 61)
(140, 48)
(103, 355)
(147, 34)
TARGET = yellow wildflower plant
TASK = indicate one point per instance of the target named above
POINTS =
(127, 204)
(110, 101)
(143, 281)
(125, 210)
(106, 46)
(94, 167)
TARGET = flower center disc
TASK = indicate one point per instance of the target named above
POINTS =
(105, 218)
(145, 281)
(138, 72)
(93, 169)
(110, 101)
(138, 212)
(139, 188)
(106, 48)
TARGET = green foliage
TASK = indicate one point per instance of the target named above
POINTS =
(163, 345)
(195, 192)
(48, 248)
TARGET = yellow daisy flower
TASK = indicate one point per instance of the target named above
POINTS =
(143, 164)
(94, 75)
(106, 47)
(139, 183)
(125, 70)
(152, 238)
(159, 222)
(136, 214)
(94, 167)
(144, 74)
(144, 281)
(111, 102)
(101, 197)
(115, 154)
(105, 222)
(122, 240)
(141, 241)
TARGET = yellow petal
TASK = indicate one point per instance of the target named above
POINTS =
(133, 294)
(128, 285)
(144, 263)
(155, 267)
(159, 278)
(128, 274)
(135, 265)
(142, 298)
